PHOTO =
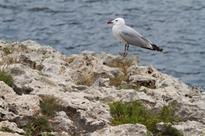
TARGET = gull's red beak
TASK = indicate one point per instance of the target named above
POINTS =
(110, 22)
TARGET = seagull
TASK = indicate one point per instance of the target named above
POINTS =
(129, 36)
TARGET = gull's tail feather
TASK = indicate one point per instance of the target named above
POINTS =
(155, 47)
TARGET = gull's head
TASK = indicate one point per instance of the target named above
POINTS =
(117, 21)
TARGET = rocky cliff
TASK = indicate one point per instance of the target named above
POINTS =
(49, 93)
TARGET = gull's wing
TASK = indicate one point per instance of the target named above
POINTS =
(132, 37)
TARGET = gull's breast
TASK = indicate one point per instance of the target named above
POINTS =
(116, 34)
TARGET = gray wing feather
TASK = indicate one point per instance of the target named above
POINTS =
(134, 38)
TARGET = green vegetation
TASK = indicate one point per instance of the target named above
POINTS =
(40, 126)
(135, 112)
(6, 78)
(7, 50)
(6, 129)
(37, 126)
(49, 105)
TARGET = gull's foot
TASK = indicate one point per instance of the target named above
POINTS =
(124, 54)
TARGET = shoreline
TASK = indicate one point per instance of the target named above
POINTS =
(82, 86)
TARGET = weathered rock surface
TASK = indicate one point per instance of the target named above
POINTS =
(85, 84)
(11, 126)
(122, 130)
(191, 128)
(9, 134)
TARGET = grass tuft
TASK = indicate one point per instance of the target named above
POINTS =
(135, 112)
(6, 78)
(37, 126)
(86, 78)
(7, 50)
(49, 105)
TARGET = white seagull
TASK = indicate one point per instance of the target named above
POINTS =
(128, 36)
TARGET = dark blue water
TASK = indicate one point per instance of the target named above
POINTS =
(72, 26)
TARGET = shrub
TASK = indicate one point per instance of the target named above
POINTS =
(7, 50)
(37, 126)
(49, 105)
(6, 78)
(135, 112)
(86, 78)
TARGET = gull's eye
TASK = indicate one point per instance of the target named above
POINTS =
(116, 20)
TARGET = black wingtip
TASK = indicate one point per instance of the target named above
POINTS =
(155, 47)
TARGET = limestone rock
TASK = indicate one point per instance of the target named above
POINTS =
(11, 126)
(191, 128)
(62, 123)
(85, 84)
(9, 134)
(122, 130)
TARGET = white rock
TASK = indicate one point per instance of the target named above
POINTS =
(122, 130)
(11, 126)
(82, 83)
(191, 128)
(9, 134)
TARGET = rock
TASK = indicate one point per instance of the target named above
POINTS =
(11, 126)
(6, 93)
(191, 128)
(62, 123)
(9, 134)
(161, 126)
(141, 80)
(25, 105)
(17, 107)
(122, 130)
(85, 84)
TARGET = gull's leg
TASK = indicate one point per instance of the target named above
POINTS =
(127, 47)
(126, 50)
(124, 54)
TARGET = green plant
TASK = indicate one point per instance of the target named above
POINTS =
(7, 50)
(6, 129)
(49, 105)
(167, 114)
(6, 78)
(37, 126)
(135, 112)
